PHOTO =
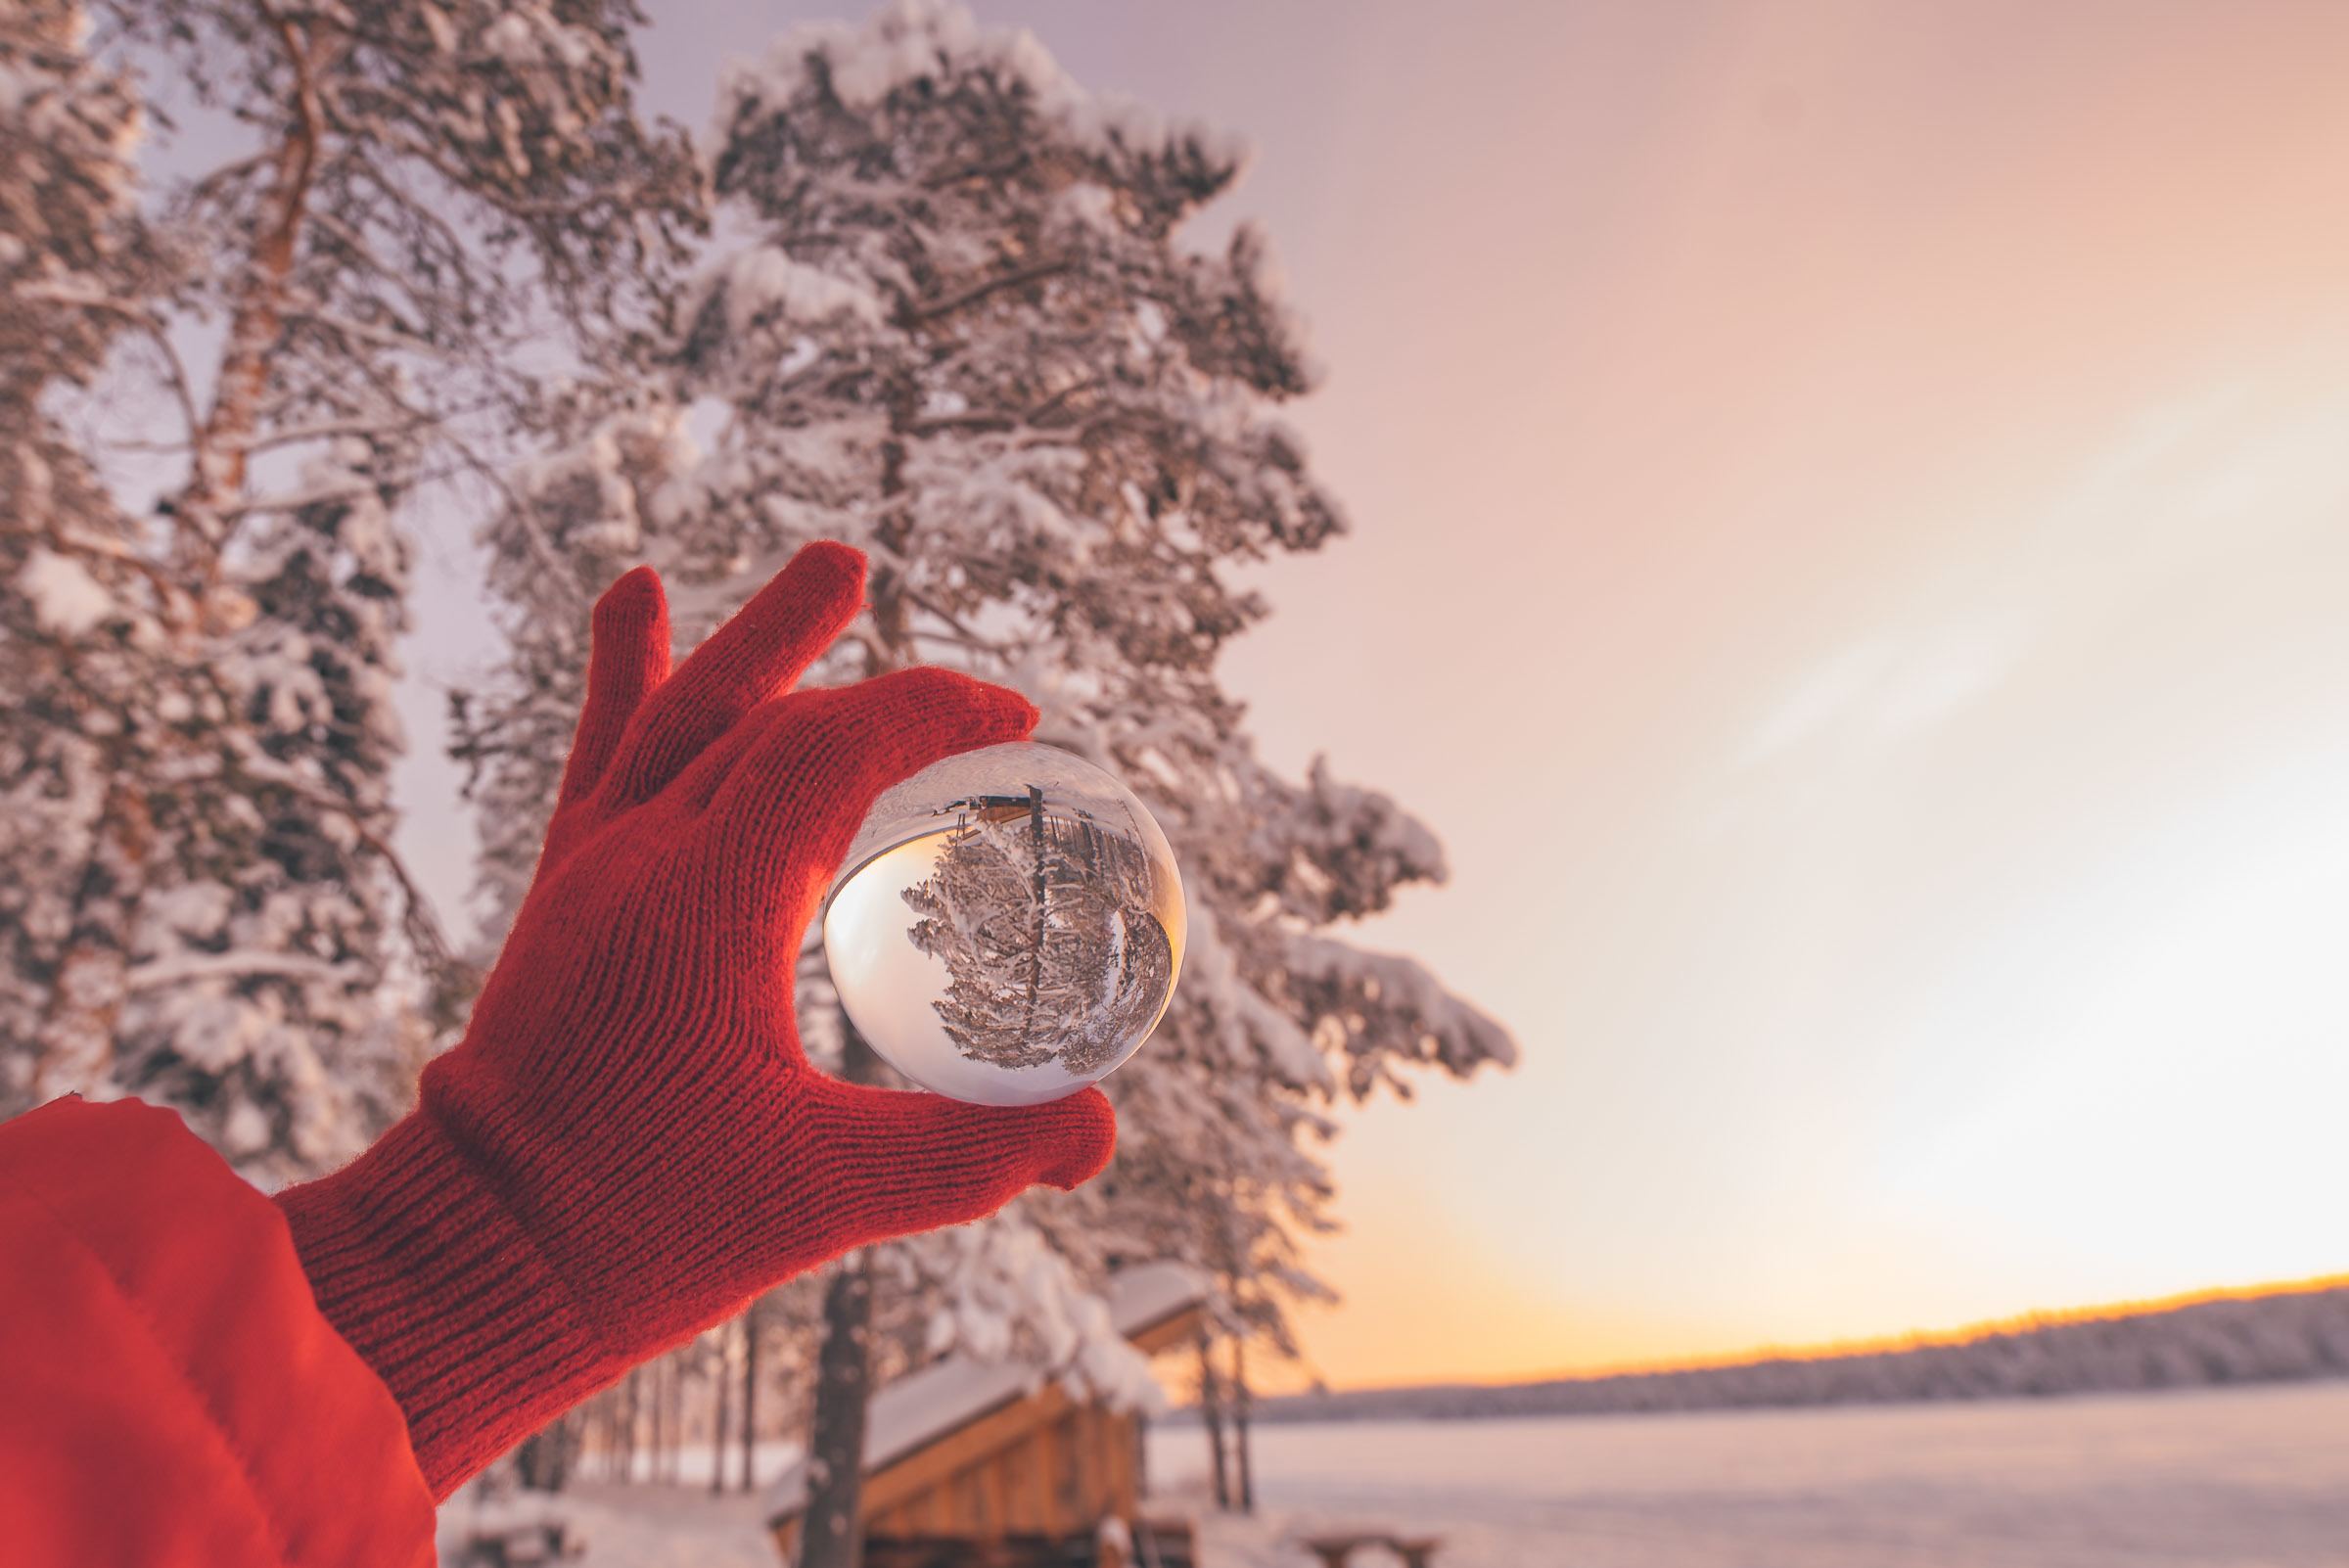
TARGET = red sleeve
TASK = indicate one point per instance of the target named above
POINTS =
(169, 1395)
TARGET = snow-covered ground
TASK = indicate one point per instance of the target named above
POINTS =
(648, 1525)
(2212, 1479)
(642, 1526)
(2223, 1477)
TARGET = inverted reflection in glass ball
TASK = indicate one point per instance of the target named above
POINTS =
(1007, 926)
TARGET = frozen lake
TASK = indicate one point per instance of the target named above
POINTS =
(2232, 1477)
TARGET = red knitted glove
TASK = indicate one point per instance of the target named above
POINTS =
(628, 1144)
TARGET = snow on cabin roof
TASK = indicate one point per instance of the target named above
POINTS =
(1146, 1294)
(924, 1406)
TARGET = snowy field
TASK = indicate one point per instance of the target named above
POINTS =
(2222, 1479)
(2250, 1477)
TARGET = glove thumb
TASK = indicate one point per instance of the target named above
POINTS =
(920, 1161)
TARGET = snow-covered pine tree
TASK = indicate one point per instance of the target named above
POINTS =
(962, 334)
(350, 321)
(79, 623)
(576, 517)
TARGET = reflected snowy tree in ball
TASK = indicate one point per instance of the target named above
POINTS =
(1045, 928)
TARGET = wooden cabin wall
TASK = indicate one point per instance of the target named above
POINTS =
(1042, 1464)
(1060, 1476)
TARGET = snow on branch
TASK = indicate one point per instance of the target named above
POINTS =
(67, 600)
(181, 967)
(917, 45)
(1334, 850)
(1237, 1011)
(1379, 1006)
(762, 288)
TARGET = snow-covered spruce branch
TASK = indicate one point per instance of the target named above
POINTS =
(182, 967)
(421, 924)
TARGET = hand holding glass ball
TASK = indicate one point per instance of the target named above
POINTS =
(1007, 926)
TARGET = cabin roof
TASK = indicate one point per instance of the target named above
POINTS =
(937, 1399)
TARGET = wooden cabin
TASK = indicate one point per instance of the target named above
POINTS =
(966, 1466)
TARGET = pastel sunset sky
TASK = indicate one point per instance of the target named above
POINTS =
(1852, 543)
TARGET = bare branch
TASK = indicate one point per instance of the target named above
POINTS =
(923, 311)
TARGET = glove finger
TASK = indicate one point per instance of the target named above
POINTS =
(910, 1161)
(699, 783)
(627, 659)
(753, 657)
(790, 805)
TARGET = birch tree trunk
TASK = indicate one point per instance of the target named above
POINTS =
(84, 1005)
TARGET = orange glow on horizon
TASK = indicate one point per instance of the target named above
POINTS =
(1914, 1339)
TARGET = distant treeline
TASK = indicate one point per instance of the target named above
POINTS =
(2262, 1338)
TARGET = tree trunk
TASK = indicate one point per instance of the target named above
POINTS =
(86, 1000)
(676, 1417)
(673, 1415)
(231, 422)
(831, 1529)
(833, 1533)
(630, 1418)
(724, 1386)
(542, 1463)
(749, 1396)
(1239, 1422)
(1211, 1414)
(656, 1469)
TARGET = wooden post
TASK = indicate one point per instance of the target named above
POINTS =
(1211, 1412)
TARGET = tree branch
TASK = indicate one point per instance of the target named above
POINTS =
(1034, 272)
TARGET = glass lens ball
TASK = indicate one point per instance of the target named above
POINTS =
(1007, 926)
